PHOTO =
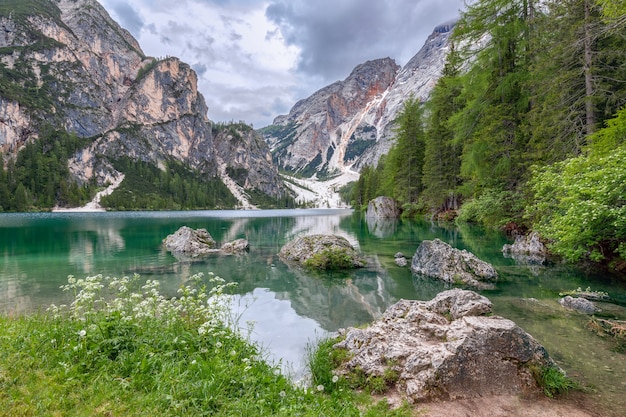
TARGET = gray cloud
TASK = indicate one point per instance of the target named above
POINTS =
(130, 19)
(331, 37)
(335, 36)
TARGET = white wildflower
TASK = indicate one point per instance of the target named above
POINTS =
(320, 388)
(335, 378)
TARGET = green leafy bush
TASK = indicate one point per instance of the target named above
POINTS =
(580, 204)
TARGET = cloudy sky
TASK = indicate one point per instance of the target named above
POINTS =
(256, 58)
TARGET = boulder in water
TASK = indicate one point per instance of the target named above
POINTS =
(439, 260)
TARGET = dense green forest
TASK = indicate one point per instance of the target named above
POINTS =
(146, 187)
(40, 177)
(526, 128)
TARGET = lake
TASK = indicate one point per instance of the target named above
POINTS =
(291, 307)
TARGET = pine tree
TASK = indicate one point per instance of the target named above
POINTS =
(490, 123)
(441, 153)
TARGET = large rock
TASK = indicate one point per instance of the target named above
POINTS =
(527, 249)
(439, 260)
(303, 248)
(446, 349)
(190, 243)
(382, 208)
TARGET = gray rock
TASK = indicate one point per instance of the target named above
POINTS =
(236, 246)
(446, 349)
(382, 208)
(579, 304)
(401, 261)
(527, 249)
(190, 243)
(303, 248)
(439, 260)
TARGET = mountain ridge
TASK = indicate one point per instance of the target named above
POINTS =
(68, 65)
(350, 132)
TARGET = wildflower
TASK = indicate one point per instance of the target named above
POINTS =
(82, 333)
(233, 353)
(320, 388)
(335, 379)
(193, 362)
(218, 345)
(282, 394)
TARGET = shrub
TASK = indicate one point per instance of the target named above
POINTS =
(330, 259)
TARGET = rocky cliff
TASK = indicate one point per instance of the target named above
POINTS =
(350, 122)
(67, 64)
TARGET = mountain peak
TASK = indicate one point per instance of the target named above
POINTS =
(350, 122)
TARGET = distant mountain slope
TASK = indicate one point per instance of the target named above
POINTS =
(67, 65)
(350, 123)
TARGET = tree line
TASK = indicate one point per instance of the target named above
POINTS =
(526, 128)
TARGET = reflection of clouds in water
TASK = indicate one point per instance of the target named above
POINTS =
(322, 225)
(277, 328)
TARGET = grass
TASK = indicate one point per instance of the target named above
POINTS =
(121, 348)
(553, 381)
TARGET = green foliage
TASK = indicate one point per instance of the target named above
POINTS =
(324, 361)
(580, 204)
(553, 381)
(611, 136)
(146, 187)
(233, 129)
(356, 148)
(402, 172)
(399, 174)
(330, 259)
(40, 178)
(442, 154)
(122, 347)
(146, 69)
(492, 208)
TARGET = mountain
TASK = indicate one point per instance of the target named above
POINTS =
(66, 65)
(350, 123)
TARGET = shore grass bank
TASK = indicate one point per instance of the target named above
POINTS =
(119, 347)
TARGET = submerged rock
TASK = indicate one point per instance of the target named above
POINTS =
(382, 208)
(579, 304)
(437, 259)
(189, 242)
(325, 251)
(446, 348)
(400, 259)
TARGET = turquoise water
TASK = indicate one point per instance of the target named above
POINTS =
(290, 307)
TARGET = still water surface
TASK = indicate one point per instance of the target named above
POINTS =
(290, 307)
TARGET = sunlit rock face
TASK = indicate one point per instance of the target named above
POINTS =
(80, 71)
(446, 348)
(351, 122)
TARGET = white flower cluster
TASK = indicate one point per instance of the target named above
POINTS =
(194, 304)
